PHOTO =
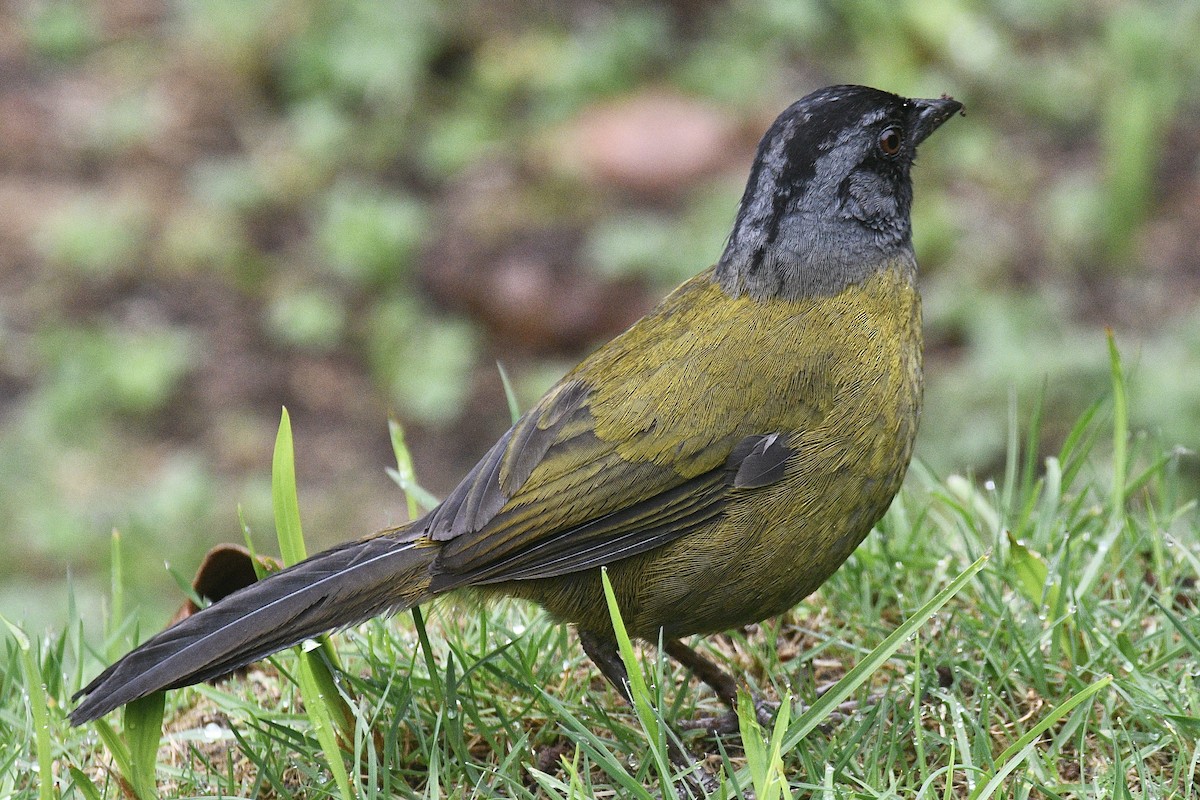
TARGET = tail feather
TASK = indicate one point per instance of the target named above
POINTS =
(333, 589)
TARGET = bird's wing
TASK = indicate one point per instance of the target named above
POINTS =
(637, 446)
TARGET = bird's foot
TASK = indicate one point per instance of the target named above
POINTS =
(844, 709)
(697, 784)
(727, 723)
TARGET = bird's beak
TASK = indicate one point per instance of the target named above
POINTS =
(928, 115)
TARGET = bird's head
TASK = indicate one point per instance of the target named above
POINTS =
(829, 193)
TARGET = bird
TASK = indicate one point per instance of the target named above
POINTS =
(720, 458)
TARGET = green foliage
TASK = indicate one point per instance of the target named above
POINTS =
(30, 670)
(419, 499)
(63, 30)
(663, 249)
(653, 725)
(93, 372)
(94, 237)
(765, 763)
(135, 750)
(1149, 50)
(370, 237)
(308, 318)
(309, 165)
(423, 361)
(361, 52)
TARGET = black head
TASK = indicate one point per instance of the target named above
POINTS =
(829, 194)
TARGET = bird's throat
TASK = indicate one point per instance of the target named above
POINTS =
(793, 273)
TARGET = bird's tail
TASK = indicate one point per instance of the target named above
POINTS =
(333, 589)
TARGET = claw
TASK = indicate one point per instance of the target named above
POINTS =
(727, 723)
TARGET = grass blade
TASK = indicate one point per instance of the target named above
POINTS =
(322, 702)
(637, 684)
(37, 709)
(1120, 441)
(514, 408)
(766, 767)
(283, 495)
(142, 720)
(1120, 432)
(419, 499)
(827, 702)
(116, 576)
(1019, 750)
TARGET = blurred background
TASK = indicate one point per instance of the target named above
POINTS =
(213, 208)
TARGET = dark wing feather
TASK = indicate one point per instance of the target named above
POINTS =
(587, 504)
(763, 462)
(619, 534)
(508, 464)
(600, 509)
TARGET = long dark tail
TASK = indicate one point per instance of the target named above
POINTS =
(333, 589)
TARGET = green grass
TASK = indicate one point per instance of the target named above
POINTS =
(1063, 667)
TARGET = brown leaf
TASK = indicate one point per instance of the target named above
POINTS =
(225, 569)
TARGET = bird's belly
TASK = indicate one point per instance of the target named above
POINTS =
(761, 561)
(775, 545)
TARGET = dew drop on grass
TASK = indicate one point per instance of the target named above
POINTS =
(990, 485)
(212, 731)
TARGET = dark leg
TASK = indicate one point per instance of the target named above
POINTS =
(603, 653)
(724, 684)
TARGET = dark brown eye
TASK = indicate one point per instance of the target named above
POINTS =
(889, 141)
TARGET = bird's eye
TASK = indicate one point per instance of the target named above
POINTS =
(889, 141)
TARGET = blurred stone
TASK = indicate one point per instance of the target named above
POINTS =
(515, 267)
(651, 143)
(527, 290)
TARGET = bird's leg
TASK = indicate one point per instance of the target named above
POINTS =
(603, 653)
(724, 684)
